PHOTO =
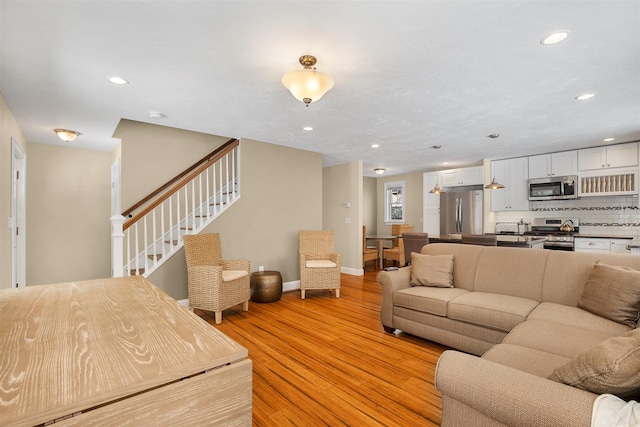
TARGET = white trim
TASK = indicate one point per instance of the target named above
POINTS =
(291, 286)
(18, 215)
(352, 271)
(184, 302)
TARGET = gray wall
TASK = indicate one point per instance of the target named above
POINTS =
(343, 184)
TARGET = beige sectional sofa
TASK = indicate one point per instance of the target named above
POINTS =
(518, 309)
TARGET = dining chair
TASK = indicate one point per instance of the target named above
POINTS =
(368, 254)
(413, 242)
(319, 263)
(396, 253)
(214, 284)
(480, 239)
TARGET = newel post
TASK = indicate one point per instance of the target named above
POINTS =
(117, 245)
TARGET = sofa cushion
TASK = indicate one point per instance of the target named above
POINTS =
(577, 317)
(613, 366)
(562, 340)
(495, 311)
(613, 292)
(432, 270)
(426, 299)
(536, 362)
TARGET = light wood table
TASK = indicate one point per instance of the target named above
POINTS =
(380, 239)
(113, 352)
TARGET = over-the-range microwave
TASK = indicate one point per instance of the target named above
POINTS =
(554, 188)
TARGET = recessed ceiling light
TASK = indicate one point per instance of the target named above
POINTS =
(493, 135)
(585, 96)
(156, 115)
(608, 139)
(555, 37)
(307, 128)
(436, 147)
(445, 163)
(118, 80)
(375, 145)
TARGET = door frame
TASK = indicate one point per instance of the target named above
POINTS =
(18, 215)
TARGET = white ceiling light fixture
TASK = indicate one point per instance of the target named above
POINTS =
(307, 85)
(379, 171)
(555, 37)
(156, 115)
(117, 80)
(307, 128)
(585, 96)
(375, 145)
(67, 135)
(608, 139)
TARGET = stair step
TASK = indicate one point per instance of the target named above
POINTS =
(217, 204)
(155, 257)
(171, 242)
(136, 272)
(186, 228)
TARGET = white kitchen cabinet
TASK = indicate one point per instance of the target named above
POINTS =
(514, 175)
(612, 156)
(620, 246)
(601, 245)
(463, 176)
(430, 203)
(554, 164)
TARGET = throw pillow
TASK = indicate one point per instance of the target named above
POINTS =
(613, 366)
(431, 270)
(613, 292)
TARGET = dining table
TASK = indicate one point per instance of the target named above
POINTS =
(380, 239)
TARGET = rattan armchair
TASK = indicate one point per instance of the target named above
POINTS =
(319, 263)
(396, 253)
(368, 254)
(214, 284)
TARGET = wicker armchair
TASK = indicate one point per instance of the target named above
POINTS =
(319, 264)
(214, 284)
(368, 254)
(396, 253)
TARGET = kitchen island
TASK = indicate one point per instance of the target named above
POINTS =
(531, 242)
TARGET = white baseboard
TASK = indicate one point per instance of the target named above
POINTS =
(184, 302)
(352, 271)
(291, 286)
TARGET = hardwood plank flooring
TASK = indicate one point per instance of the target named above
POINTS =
(327, 361)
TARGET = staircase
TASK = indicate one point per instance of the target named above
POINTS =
(146, 235)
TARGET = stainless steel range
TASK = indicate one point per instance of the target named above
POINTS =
(558, 231)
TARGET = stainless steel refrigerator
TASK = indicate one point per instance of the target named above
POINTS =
(461, 210)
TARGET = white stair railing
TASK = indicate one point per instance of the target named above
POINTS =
(147, 240)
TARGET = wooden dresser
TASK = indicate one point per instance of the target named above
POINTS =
(116, 352)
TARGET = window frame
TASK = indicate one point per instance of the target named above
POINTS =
(388, 188)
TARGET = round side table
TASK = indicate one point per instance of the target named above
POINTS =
(266, 286)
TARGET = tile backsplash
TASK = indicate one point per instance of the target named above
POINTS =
(609, 216)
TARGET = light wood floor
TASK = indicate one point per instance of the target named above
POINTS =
(327, 361)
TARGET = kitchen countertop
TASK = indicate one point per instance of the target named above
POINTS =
(514, 241)
(600, 236)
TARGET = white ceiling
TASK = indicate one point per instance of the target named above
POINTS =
(408, 74)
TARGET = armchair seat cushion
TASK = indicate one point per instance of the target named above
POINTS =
(230, 275)
(320, 263)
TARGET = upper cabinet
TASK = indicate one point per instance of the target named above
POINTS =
(514, 175)
(464, 176)
(612, 156)
(554, 164)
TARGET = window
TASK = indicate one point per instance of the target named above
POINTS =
(394, 202)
